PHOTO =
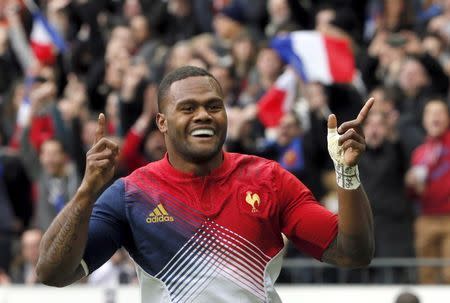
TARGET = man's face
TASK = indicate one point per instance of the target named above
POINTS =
(279, 10)
(412, 76)
(180, 55)
(139, 29)
(155, 147)
(223, 76)
(435, 118)
(316, 96)
(324, 18)
(225, 27)
(125, 36)
(194, 120)
(268, 63)
(30, 245)
(52, 157)
(288, 129)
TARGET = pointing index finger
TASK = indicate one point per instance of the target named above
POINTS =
(101, 128)
(365, 110)
(357, 123)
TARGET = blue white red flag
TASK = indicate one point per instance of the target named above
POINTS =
(278, 100)
(45, 41)
(317, 57)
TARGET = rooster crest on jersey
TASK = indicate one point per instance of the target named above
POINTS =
(159, 214)
(253, 200)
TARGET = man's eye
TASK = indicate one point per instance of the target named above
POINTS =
(215, 107)
(187, 108)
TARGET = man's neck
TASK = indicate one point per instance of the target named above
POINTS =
(198, 169)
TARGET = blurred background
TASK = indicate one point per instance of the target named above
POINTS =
(284, 66)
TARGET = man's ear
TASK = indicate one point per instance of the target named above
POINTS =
(161, 122)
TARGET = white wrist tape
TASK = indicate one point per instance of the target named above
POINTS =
(347, 177)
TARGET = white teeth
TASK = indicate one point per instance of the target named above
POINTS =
(202, 132)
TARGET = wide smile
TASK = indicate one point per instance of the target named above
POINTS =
(203, 133)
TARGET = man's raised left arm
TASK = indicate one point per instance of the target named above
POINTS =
(354, 243)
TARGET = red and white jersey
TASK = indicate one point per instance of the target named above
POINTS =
(215, 238)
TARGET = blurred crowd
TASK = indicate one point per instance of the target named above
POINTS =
(116, 52)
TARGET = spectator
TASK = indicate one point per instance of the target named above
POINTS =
(23, 269)
(181, 53)
(268, 67)
(387, 106)
(114, 272)
(428, 178)
(7, 221)
(439, 24)
(395, 15)
(56, 177)
(383, 60)
(243, 52)
(16, 208)
(229, 23)
(280, 17)
(383, 166)
(143, 143)
(226, 77)
(149, 47)
(179, 22)
(419, 78)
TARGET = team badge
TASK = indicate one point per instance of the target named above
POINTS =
(253, 200)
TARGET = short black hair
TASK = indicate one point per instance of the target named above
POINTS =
(180, 74)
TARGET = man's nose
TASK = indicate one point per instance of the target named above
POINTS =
(202, 115)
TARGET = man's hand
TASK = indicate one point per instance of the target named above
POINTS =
(101, 160)
(415, 178)
(64, 243)
(347, 142)
(42, 94)
(133, 76)
(354, 244)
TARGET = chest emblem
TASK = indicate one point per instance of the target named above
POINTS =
(159, 214)
(253, 200)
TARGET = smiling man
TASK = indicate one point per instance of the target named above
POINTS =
(204, 225)
(193, 118)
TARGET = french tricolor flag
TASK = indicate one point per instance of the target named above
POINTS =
(45, 41)
(317, 57)
(278, 100)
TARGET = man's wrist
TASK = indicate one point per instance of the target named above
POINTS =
(86, 192)
(347, 177)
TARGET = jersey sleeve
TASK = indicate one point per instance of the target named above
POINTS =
(309, 225)
(107, 227)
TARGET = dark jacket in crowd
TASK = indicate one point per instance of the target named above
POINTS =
(382, 172)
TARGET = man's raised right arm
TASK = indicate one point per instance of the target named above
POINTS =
(63, 244)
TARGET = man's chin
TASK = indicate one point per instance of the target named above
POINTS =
(202, 155)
